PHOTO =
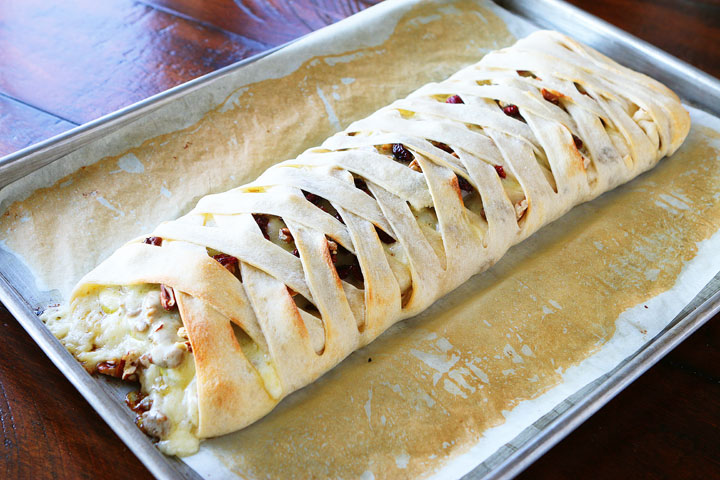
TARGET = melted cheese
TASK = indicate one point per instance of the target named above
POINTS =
(260, 360)
(127, 326)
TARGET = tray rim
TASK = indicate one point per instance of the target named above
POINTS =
(22, 162)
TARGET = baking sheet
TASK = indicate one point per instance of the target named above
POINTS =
(504, 348)
(381, 417)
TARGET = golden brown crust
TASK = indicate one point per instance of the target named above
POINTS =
(231, 394)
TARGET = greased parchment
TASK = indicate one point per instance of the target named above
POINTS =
(432, 395)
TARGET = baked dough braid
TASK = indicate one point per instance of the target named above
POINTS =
(384, 218)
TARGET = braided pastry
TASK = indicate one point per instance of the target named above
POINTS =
(260, 290)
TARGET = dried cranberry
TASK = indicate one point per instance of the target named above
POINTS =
(296, 253)
(464, 184)
(578, 142)
(384, 237)
(311, 197)
(262, 222)
(401, 153)
(315, 200)
(227, 261)
(511, 110)
(454, 99)
(500, 171)
(156, 241)
(352, 271)
(551, 97)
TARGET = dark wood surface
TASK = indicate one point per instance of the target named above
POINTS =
(63, 63)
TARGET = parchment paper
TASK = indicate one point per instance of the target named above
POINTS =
(438, 394)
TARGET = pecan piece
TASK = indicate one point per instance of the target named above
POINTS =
(137, 403)
(521, 208)
(285, 235)
(414, 165)
(112, 368)
(167, 297)
(145, 360)
(130, 373)
(154, 423)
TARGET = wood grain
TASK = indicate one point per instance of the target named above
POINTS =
(69, 62)
(82, 59)
(664, 425)
(22, 125)
(271, 22)
(48, 429)
(689, 29)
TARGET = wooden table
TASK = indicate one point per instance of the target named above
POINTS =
(63, 63)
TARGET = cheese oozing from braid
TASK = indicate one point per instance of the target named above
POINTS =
(277, 281)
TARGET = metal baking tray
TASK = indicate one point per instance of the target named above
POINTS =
(695, 87)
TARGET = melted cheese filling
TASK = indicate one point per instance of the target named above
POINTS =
(124, 331)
